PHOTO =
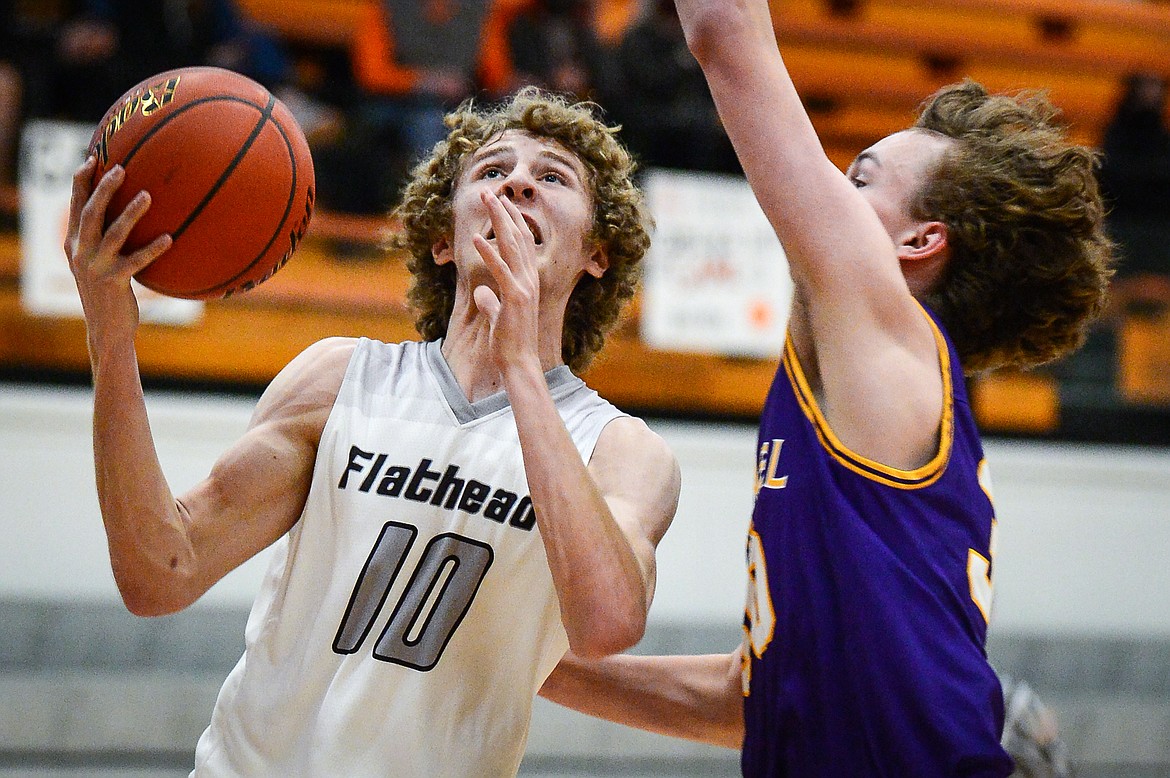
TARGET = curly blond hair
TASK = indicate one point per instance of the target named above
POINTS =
(1030, 261)
(620, 218)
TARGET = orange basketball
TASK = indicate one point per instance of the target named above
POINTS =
(229, 174)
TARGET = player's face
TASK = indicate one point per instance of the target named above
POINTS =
(890, 173)
(549, 186)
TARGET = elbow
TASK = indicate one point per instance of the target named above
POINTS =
(149, 599)
(149, 607)
(712, 33)
(609, 636)
(156, 581)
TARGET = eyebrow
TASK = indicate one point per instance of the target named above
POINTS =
(507, 149)
(867, 156)
(496, 150)
(562, 158)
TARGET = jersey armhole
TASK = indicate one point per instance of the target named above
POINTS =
(868, 468)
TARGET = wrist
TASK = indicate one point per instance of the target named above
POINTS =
(108, 341)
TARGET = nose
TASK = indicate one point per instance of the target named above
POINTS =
(518, 186)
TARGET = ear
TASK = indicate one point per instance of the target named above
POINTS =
(441, 251)
(927, 240)
(597, 263)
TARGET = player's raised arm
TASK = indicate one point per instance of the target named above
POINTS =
(166, 551)
(600, 524)
(854, 320)
(257, 488)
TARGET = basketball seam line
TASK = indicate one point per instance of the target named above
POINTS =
(229, 284)
(264, 114)
(155, 129)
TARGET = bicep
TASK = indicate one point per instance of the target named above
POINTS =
(256, 490)
(639, 478)
(253, 495)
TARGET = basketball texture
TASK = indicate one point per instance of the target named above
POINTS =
(229, 174)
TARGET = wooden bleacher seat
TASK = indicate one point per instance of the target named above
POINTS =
(859, 61)
(321, 22)
(1144, 364)
(245, 340)
(863, 67)
(1013, 33)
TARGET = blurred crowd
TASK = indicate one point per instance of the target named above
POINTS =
(410, 62)
(71, 59)
(1135, 181)
(373, 106)
(1135, 176)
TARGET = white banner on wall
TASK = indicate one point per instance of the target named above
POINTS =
(49, 153)
(716, 279)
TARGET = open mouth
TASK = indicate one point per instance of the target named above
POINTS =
(532, 227)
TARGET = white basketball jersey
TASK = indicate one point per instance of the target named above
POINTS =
(409, 617)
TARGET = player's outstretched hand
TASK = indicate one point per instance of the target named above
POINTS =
(99, 267)
(513, 309)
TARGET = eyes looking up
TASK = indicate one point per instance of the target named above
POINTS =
(548, 177)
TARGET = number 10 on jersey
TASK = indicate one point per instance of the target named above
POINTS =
(430, 608)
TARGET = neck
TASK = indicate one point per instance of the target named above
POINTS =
(468, 349)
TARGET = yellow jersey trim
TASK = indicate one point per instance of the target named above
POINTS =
(875, 471)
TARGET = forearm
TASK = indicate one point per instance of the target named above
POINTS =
(718, 31)
(691, 697)
(734, 42)
(602, 587)
(148, 541)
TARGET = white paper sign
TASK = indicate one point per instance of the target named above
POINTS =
(49, 153)
(716, 279)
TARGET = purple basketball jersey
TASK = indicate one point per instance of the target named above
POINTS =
(869, 590)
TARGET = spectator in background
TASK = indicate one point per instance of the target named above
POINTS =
(27, 33)
(551, 44)
(1135, 185)
(663, 104)
(72, 59)
(109, 46)
(11, 92)
(1135, 179)
(413, 61)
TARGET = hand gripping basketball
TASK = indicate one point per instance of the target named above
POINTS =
(229, 173)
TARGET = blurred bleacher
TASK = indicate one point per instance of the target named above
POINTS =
(862, 66)
(117, 692)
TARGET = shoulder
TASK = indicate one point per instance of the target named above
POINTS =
(308, 386)
(630, 455)
(631, 435)
(328, 353)
(881, 395)
(321, 366)
(638, 475)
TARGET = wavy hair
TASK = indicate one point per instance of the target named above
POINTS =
(620, 218)
(1030, 260)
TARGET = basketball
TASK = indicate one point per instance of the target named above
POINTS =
(229, 174)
